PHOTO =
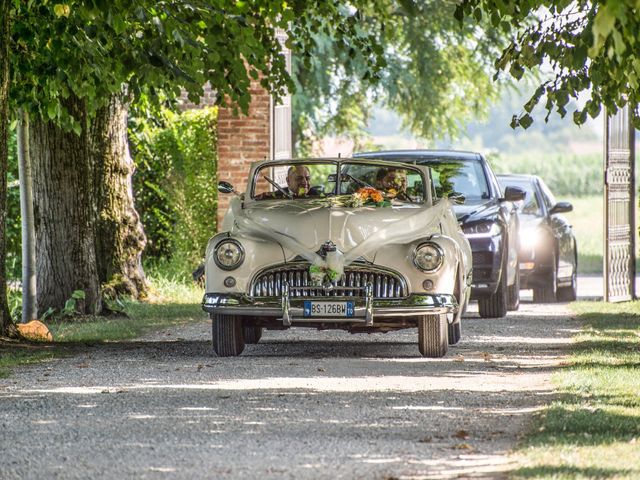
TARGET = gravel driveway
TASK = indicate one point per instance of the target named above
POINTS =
(301, 404)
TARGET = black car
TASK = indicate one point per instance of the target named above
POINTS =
(488, 218)
(548, 253)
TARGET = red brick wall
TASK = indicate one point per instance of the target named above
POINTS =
(208, 99)
(242, 140)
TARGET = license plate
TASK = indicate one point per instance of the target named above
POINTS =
(328, 309)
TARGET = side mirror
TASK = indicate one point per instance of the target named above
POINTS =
(561, 207)
(457, 198)
(225, 187)
(514, 194)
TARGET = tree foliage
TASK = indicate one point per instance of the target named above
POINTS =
(437, 75)
(590, 46)
(163, 47)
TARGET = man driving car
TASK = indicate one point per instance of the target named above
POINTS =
(298, 180)
(298, 184)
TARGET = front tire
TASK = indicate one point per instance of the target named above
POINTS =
(433, 335)
(227, 335)
(252, 334)
(495, 306)
(454, 332)
(570, 293)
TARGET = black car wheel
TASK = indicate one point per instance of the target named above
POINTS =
(570, 293)
(432, 335)
(252, 334)
(547, 292)
(513, 300)
(227, 335)
(455, 332)
(495, 306)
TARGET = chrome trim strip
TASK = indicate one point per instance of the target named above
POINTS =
(369, 306)
(286, 317)
(290, 310)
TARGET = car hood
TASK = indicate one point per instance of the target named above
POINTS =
(312, 222)
(477, 211)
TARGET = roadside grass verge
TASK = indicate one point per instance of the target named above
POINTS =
(173, 301)
(592, 429)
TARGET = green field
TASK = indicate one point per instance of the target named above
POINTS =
(587, 220)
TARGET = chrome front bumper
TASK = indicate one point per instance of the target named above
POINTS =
(290, 308)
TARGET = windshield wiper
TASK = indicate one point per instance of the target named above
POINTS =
(278, 187)
(362, 183)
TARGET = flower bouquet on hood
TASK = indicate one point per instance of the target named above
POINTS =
(367, 196)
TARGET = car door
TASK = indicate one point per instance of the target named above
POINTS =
(562, 233)
(509, 214)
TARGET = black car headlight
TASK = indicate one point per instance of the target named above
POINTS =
(228, 254)
(485, 229)
(534, 239)
(428, 257)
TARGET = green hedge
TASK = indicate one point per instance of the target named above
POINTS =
(175, 185)
(565, 174)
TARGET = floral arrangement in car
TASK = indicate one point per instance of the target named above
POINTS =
(367, 196)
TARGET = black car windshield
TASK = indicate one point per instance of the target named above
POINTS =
(529, 205)
(452, 177)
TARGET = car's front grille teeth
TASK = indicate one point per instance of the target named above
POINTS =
(385, 284)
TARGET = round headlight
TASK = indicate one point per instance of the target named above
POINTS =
(428, 257)
(228, 254)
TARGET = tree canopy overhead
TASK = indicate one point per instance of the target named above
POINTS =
(90, 48)
(591, 46)
(437, 75)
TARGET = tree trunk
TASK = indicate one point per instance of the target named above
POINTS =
(64, 209)
(5, 319)
(120, 237)
(29, 308)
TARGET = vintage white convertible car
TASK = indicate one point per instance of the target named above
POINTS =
(354, 244)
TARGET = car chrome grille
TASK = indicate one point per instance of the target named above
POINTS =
(386, 284)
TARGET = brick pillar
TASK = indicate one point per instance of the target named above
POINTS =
(242, 140)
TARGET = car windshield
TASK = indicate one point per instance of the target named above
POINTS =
(455, 177)
(317, 180)
(529, 205)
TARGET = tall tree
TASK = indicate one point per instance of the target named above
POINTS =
(156, 49)
(5, 35)
(120, 236)
(437, 75)
(592, 47)
(64, 213)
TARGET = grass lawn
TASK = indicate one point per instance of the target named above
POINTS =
(172, 303)
(592, 430)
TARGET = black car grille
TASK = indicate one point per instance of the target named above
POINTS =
(386, 284)
(483, 266)
(482, 259)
